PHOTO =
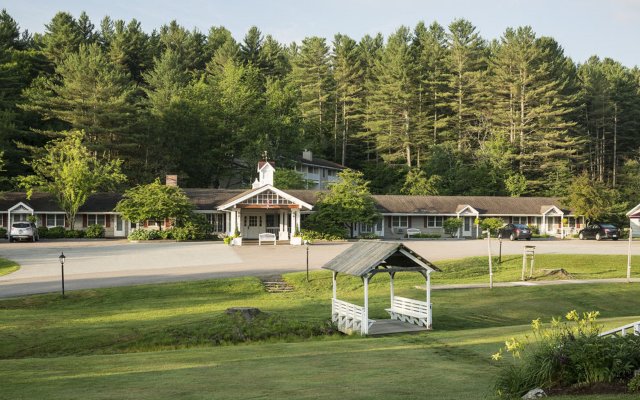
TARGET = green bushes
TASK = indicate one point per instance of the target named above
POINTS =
(311, 235)
(73, 234)
(567, 354)
(57, 232)
(94, 231)
(3, 233)
(144, 234)
(425, 236)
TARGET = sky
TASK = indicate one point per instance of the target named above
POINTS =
(606, 28)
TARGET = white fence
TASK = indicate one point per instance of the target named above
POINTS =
(634, 327)
(348, 317)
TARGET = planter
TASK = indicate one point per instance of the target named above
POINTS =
(296, 241)
(236, 241)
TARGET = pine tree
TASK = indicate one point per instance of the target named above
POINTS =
(466, 63)
(349, 83)
(312, 74)
(392, 101)
(63, 36)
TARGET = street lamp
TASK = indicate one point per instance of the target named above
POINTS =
(62, 258)
(306, 243)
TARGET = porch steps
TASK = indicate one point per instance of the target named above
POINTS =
(275, 284)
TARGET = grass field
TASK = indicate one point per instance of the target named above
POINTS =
(7, 266)
(158, 341)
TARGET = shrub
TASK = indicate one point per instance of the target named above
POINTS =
(94, 231)
(166, 234)
(43, 232)
(57, 232)
(426, 236)
(368, 236)
(3, 233)
(452, 225)
(144, 234)
(567, 354)
(634, 384)
(73, 234)
(315, 235)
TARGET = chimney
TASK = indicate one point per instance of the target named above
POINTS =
(171, 180)
(307, 155)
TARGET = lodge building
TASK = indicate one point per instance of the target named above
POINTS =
(267, 209)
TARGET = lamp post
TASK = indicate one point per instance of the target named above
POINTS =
(62, 258)
(306, 243)
(488, 232)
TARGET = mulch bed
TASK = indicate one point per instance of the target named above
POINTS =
(598, 388)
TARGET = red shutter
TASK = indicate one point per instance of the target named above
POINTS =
(389, 221)
(66, 222)
(146, 223)
(5, 218)
(409, 221)
(107, 220)
(44, 219)
(85, 221)
(167, 223)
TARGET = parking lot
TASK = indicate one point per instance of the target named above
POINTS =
(104, 263)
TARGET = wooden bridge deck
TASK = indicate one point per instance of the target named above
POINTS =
(391, 326)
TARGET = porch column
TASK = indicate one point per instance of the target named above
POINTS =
(544, 224)
(364, 326)
(391, 275)
(334, 282)
(429, 322)
(562, 226)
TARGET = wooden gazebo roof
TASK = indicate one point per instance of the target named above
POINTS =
(362, 258)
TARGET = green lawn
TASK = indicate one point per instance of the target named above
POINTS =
(159, 341)
(7, 266)
(588, 266)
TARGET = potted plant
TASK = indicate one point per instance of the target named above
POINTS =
(296, 239)
(237, 238)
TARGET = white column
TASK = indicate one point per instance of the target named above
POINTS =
(429, 321)
(364, 327)
(391, 287)
(335, 283)
(562, 226)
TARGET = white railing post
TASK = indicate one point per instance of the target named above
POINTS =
(391, 287)
(429, 321)
(364, 324)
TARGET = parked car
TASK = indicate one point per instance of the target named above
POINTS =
(599, 231)
(23, 231)
(515, 232)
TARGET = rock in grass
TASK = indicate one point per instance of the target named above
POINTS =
(248, 313)
(534, 394)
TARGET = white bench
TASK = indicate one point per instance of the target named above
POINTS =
(409, 310)
(413, 231)
(266, 237)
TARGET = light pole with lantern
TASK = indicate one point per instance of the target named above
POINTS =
(306, 243)
(62, 258)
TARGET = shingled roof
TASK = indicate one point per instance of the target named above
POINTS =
(485, 205)
(365, 256)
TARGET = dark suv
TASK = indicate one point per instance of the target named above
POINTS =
(599, 231)
(515, 232)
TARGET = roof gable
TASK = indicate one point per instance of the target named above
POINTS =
(252, 193)
(635, 210)
(363, 257)
(21, 207)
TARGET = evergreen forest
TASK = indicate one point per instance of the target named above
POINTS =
(430, 109)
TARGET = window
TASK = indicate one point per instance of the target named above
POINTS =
(217, 221)
(253, 220)
(401, 221)
(520, 220)
(95, 219)
(55, 220)
(434, 222)
(19, 217)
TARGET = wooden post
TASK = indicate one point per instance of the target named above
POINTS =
(629, 254)
(429, 322)
(490, 261)
(524, 262)
(334, 284)
(391, 275)
(364, 325)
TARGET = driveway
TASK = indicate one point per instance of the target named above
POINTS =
(105, 263)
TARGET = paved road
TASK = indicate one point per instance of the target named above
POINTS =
(105, 263)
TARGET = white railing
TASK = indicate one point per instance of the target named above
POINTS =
(275, 230)
(348, 317)
(622, 331)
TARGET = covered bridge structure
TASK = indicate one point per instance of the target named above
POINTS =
(367, 259)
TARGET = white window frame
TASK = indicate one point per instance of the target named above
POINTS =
(93, 219)
(520, 220)
(435, 221)
(58, 220)
(397, 221)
